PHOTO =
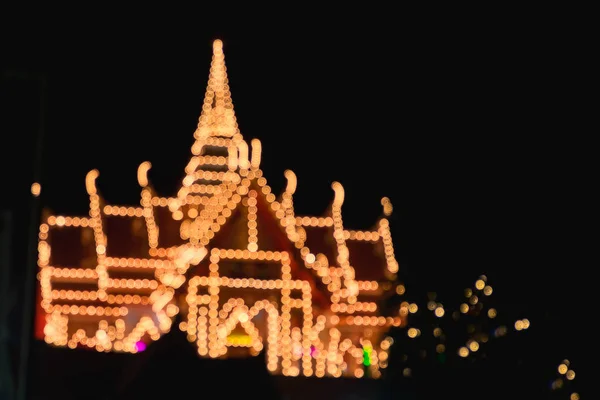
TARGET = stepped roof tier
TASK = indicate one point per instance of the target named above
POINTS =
(231, 258)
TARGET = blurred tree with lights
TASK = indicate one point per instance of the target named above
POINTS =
(472, 348)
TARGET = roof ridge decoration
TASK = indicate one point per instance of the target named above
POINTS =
(223, 175)
(218, 117)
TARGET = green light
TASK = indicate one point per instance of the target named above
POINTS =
(367, 356)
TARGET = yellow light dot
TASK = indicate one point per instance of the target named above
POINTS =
(519, 325)
(562, 369)
(412, 333)
(463, 352)
(400, 289)
(439, 312)
(474, 346)
(570, 374)
(413, 308)
(487, 290)
(574, 396)
(492, 313)
(464, 308)
(36, 189)
(480, 284)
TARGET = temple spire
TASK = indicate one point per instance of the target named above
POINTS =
(219, 150)
(217, 117)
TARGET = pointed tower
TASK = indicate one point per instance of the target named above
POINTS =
(219, 148)
(220, 157)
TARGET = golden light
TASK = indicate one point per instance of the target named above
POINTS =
(90, 181)
(387, 206)
(480, 284)
(338, 189)
(142, 173)
(292, 181)
(473, 346)
(256, 153)
(114, 303)
(562, 369)
(36, 189)
(519, 325)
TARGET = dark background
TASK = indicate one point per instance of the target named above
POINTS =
(479, 130)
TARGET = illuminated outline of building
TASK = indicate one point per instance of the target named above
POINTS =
(244, 271)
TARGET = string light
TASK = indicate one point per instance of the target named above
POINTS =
(36, 189)
(481, 327)
(112, 302)
(119, 296)
(563, 382)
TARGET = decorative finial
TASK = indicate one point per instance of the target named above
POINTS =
(338, 189)
(90, 181)
(387, 206)
(256, 153)
(243, 150)
(36, 189)
(217, 117)
(292, 181)
(142, 173)
(217, 45)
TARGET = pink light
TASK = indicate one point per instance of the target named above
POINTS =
(313, 351)
(140, 346)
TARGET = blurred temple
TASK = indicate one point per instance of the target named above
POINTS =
(226, 261)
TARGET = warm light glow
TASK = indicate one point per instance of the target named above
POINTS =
(292, 181)
(36, 189)
(256, 153)
(142, 174)
(338, 189)
(217, 45)
(387, 206)
(239, 295)
(90, 181)
(242, 269)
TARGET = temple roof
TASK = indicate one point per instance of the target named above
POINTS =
(225, 210)
(220, 173)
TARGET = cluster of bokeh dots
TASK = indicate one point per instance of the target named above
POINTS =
(480, 329)
(564, 380)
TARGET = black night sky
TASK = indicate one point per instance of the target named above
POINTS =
(480, 134)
